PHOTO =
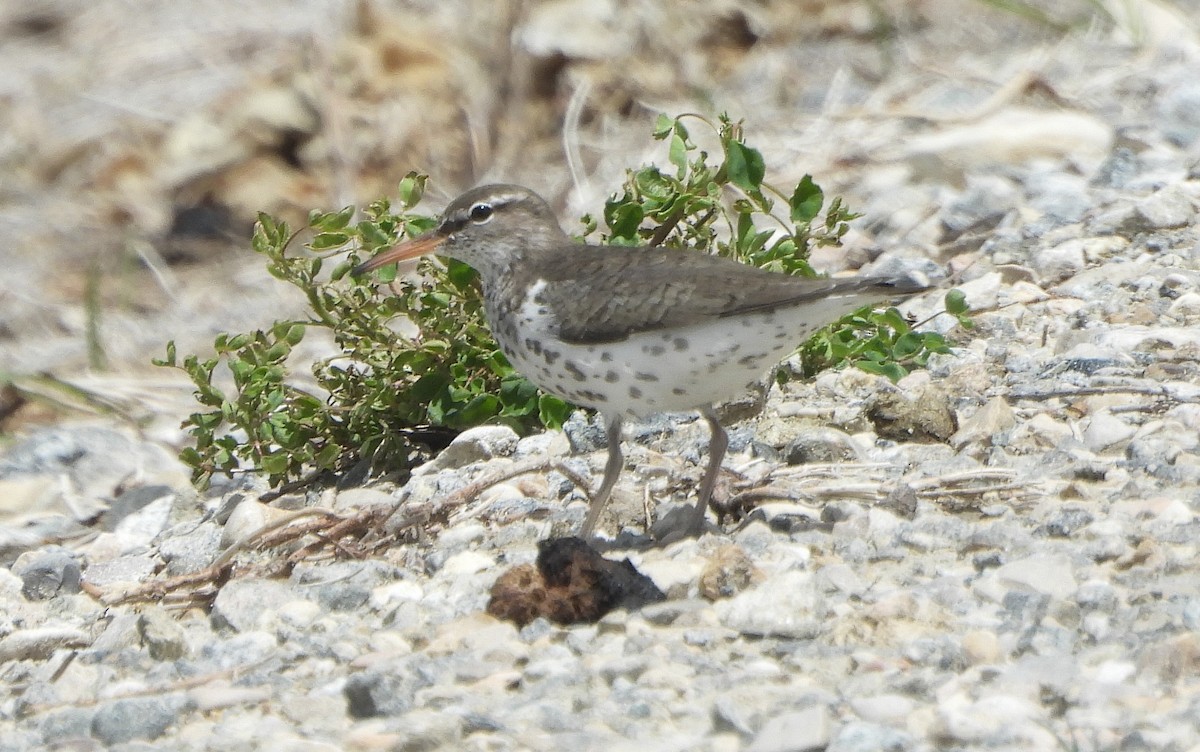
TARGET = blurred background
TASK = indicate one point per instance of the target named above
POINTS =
(139, 139)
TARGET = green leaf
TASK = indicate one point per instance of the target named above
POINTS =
(333, 221)
(275, 463)
(806, 200)
(268, 226)
(907, 345)
(519, 395)
(327, 457)
(239, 341)
(294, 333)
(479, 409)
(169, 361)
(956, 302)
(412, 189)
(328, 240)
(424, 389)
(745, 166)
(664, 125)
(461, 275)
(678, 154)
(653, 185)
(623, 220)
(373, 237)
(278, 352)
(552, 411)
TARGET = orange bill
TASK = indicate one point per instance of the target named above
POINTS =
(418, 246)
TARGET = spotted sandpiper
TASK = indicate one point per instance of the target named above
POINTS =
(631, 331)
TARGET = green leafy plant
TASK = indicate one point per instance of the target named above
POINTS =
(880, 342)
(382, 393)
(384, 396)
(689, 207)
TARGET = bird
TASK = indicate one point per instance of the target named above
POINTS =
(632, 331)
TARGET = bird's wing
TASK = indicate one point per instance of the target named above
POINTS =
(606, 294)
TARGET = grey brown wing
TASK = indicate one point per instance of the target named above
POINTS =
(597, 300)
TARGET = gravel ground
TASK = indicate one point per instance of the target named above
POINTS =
(997, 553)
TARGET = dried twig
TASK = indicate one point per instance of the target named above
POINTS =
(330, 528)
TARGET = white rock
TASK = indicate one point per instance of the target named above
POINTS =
(1185, 306)
(394, 592)
(888, 708)
(982, 292)
(362, 498)
(473, 445)
(783, 605)
(1050, 574)
(467, 563)
(1059, 262)
(807, 729)
(990, 720)
(982, 426)
(1166, 209)
(247, 518)
(1104, 430)
(40, 643)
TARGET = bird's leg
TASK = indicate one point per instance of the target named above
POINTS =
(612, 469)
(717, 444)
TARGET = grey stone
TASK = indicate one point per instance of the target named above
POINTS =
(987, 199)
(381, 692)
(191, 550)
(1066, 522)
(161, 634)
(46, 573)
(1179, 109)
(243, 604)
(125, 571)
(120, 633)
(430, 730)
(858, 736)
(130, 501)
(1162, 210)
(123, 721)
(97, 459)
(1062, 197)
(67, 725)
(1059, 262)
(343, 585)
(39, 643)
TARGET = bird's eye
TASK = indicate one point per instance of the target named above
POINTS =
(481, 213)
